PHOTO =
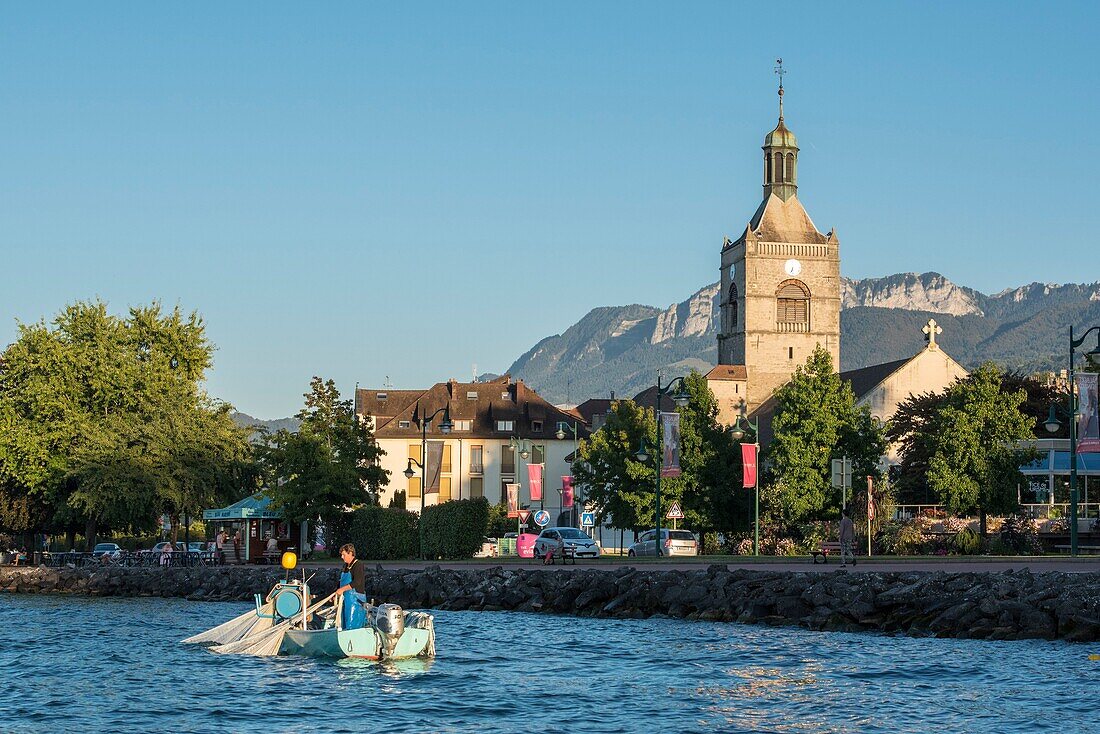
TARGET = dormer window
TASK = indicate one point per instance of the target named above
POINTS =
(381, 396)
(404, 424)
(505, 395)
(536, 426)
(471, 395)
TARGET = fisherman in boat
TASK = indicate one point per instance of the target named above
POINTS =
(352, 588)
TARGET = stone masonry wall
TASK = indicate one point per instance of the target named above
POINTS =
(1008, 605)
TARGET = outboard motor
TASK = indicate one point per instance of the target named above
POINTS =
(389, 620)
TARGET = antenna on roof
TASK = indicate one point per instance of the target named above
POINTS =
(387, 384)
(474, 370)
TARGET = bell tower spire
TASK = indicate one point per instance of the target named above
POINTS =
(780, 153)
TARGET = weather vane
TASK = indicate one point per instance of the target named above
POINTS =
(780, 71)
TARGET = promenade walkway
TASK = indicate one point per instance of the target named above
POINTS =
(950, 564)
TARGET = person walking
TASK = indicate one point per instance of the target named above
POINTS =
(219, 544)
(847, 538)
(237, 546)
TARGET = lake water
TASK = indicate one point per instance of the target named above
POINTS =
(116, 665)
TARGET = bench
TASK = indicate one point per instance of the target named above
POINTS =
(824, 550)
(1066, 548)
(568, 553)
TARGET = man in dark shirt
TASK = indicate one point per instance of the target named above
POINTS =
(352, 589)
(354, 567)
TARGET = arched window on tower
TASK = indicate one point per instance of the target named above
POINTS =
(767, 168)
(792, 306)
(790, 168)
(778, 168)
(732, 306)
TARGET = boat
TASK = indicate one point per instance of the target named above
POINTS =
(287, 621)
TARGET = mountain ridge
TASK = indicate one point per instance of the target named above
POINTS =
(620, 348)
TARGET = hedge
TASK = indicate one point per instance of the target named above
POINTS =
(455, 529)
(384, 534)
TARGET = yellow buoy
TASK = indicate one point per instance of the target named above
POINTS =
(1094, 656)
(289, 560)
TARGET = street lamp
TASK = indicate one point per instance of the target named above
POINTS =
(681, 398)
(444, 427)
(738, 432)
(1052, 425)
(560, 435)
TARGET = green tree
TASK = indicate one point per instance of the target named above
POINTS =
(815, 421)
(331, 465)
(713, 498)
(87, 402)
(913, 427)
(620, 487)
(974, 462)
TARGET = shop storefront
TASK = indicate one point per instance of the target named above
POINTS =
(255, 522)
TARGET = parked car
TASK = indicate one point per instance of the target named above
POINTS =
(673, 543)
(488, 549)
(159, 547)
(108, 550)
(582, 545)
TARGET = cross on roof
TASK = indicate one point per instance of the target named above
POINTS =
(930, 330)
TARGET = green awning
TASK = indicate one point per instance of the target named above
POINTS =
(256, 507)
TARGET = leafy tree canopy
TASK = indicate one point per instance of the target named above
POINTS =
(329, 466)
(816, 420)
(105, 421)
(973, 462)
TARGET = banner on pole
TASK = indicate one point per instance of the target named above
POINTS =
(670, 459)
(434, 467)
(566, 492)
(748, 464)
(1088, 421)
(534, 478)
(513, 500)
(870, 498)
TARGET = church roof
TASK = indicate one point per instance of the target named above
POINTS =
(865, 379)
(780, 137)
(728, 372)
(785, 221)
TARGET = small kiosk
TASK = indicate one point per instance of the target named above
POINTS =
(256, 521)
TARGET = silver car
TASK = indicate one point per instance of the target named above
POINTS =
(673, 543)
(554, 538)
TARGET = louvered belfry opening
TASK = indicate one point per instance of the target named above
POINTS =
(792, 303)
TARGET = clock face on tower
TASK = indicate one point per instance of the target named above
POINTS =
(792, 267)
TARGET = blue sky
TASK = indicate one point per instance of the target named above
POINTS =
(361, 190)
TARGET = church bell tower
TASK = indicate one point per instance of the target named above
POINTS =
(780, 285)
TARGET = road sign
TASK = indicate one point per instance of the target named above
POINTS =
(523, 515)
(842, 473)
(588, 519)
(542, 518)
(674, 512)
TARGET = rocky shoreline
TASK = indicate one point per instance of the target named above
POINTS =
(994, 606)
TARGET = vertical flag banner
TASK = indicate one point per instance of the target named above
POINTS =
(566, 492)
(748, 464)
(434, 466)
(513, 500)
(1088, 421)
(534, 476)
(670, 459)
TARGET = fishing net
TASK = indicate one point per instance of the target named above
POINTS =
(251, 634)
(235, 629)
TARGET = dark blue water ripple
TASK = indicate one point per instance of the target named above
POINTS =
(110, 665)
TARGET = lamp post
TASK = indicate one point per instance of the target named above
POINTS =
(444, 427)
(1052, 424)
(738, 432)
(521, 449)
(681, 399)
(560, 435)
